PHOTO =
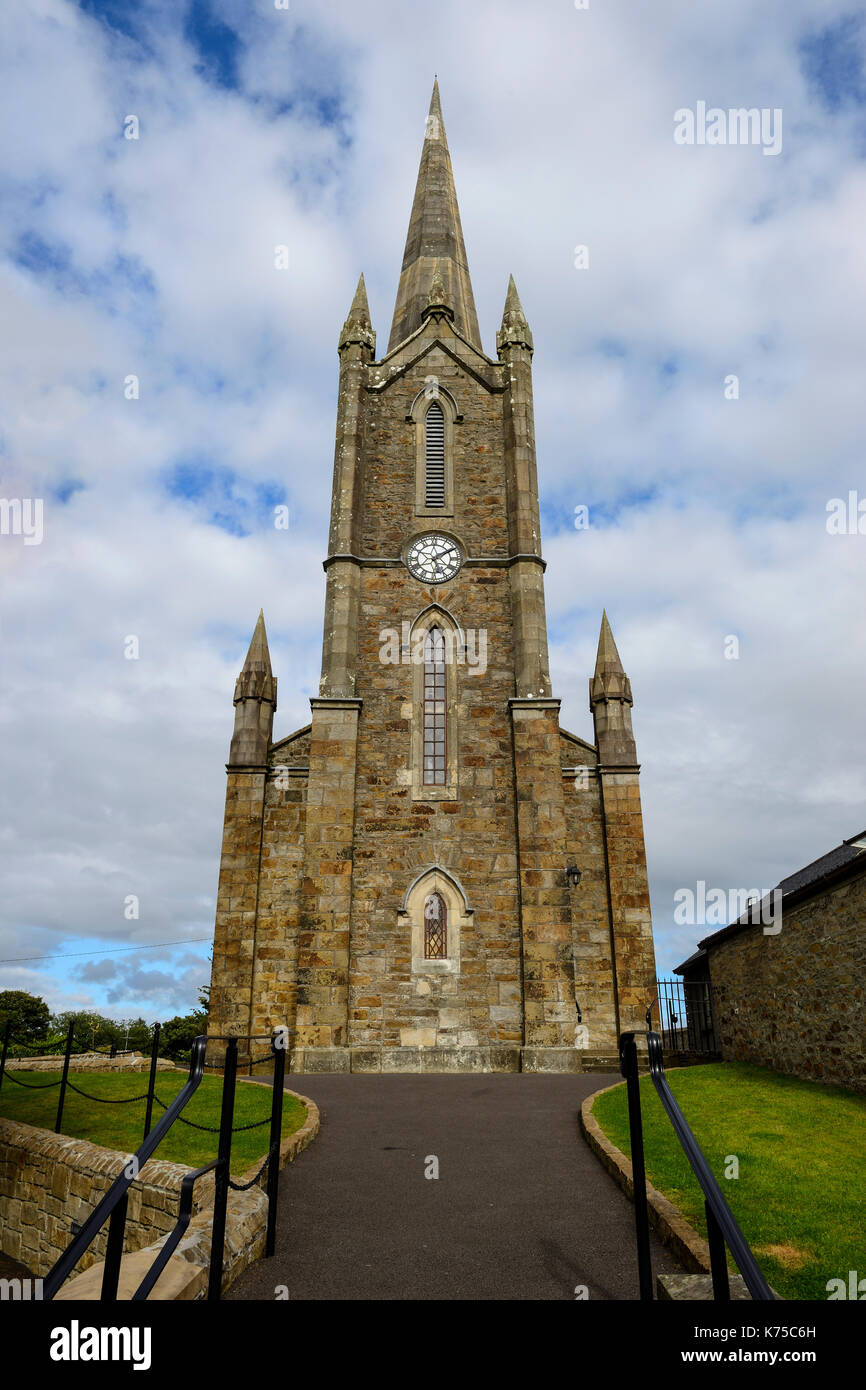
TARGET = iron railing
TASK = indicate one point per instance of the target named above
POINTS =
(66, 1085)
(686, 1017)
(113, 1206)
(722, 1229)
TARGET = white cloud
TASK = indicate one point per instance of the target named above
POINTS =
(155, 257)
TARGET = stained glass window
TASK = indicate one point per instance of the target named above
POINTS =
(435, 927)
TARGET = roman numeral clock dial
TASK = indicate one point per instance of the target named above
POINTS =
(433, 559)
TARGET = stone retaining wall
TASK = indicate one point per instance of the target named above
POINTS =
(89, 1061)
(48, 1181)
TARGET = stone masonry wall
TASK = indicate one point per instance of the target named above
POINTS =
(317, 860)
(237, 904)
(277, 926)
(593, 968)
(47, 1181)
(795, 1001)
(396, 835)
(629, 893)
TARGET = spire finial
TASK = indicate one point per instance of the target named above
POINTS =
(608, 658)
(357, 329)
(515, 331)
(609, 699)
(255, 701)
(258, 658)
(435, 126)
(610, 681)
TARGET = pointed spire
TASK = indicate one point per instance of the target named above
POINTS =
(258, 657)
(357, 329)
(255, 700)
(435, 234)
(515, 330)
(608, 658)
(360, 308)
(256, 680)
(609, 699)
(610, 681)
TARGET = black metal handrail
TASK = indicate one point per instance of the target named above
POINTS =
(722, 1228)
(113, 1205)
(183, 1220)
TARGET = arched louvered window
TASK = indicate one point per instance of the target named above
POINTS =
(434, 708)
(435, 927)
(434, 456)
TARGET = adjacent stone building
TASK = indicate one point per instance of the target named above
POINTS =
(395, 882)
(792, 996)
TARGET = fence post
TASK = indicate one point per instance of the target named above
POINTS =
(279, 1044)
(221, 1187)
(65, 1075)
(114, 1251)
(151, 1085)
(6, 1034)
(628, 1067)
(718, 1258)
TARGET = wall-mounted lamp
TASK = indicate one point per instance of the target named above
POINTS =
(579, 1014)
(572, 873)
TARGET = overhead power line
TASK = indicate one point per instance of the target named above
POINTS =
(116, 951)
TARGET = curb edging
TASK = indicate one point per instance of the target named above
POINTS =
(670, 1225)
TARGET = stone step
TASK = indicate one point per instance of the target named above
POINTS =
(698, 1288)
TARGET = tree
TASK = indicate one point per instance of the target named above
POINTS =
(28, 1014)
(204, 991)
(90, 1030)
(134, 1034)
(179, 1033)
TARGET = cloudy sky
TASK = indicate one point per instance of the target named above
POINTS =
(153, 258)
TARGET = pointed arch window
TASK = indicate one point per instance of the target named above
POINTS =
(434, 456)
(435, 713)
(433, 920)
(436, 647)
(435, 927)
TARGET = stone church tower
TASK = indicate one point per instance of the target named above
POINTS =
(394, 883)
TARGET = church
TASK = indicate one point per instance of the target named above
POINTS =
(433, 875)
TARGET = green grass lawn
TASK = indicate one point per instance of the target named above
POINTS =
(800, 1198)
(122, 1126)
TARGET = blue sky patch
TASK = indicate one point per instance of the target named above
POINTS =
(68, 488)
(40, 257)
(611, 347)
(217, 44)
(833, 62)
(223, 498)
(119, 15)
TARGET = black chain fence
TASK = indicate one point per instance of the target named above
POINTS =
(149, 1095)
(28, 1085)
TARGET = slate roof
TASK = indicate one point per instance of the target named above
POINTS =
(838, 863)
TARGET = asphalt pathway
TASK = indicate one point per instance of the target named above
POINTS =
(521, 1208)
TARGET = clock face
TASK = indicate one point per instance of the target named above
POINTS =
(434, 559)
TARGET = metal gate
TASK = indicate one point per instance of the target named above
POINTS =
(686, 1017)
